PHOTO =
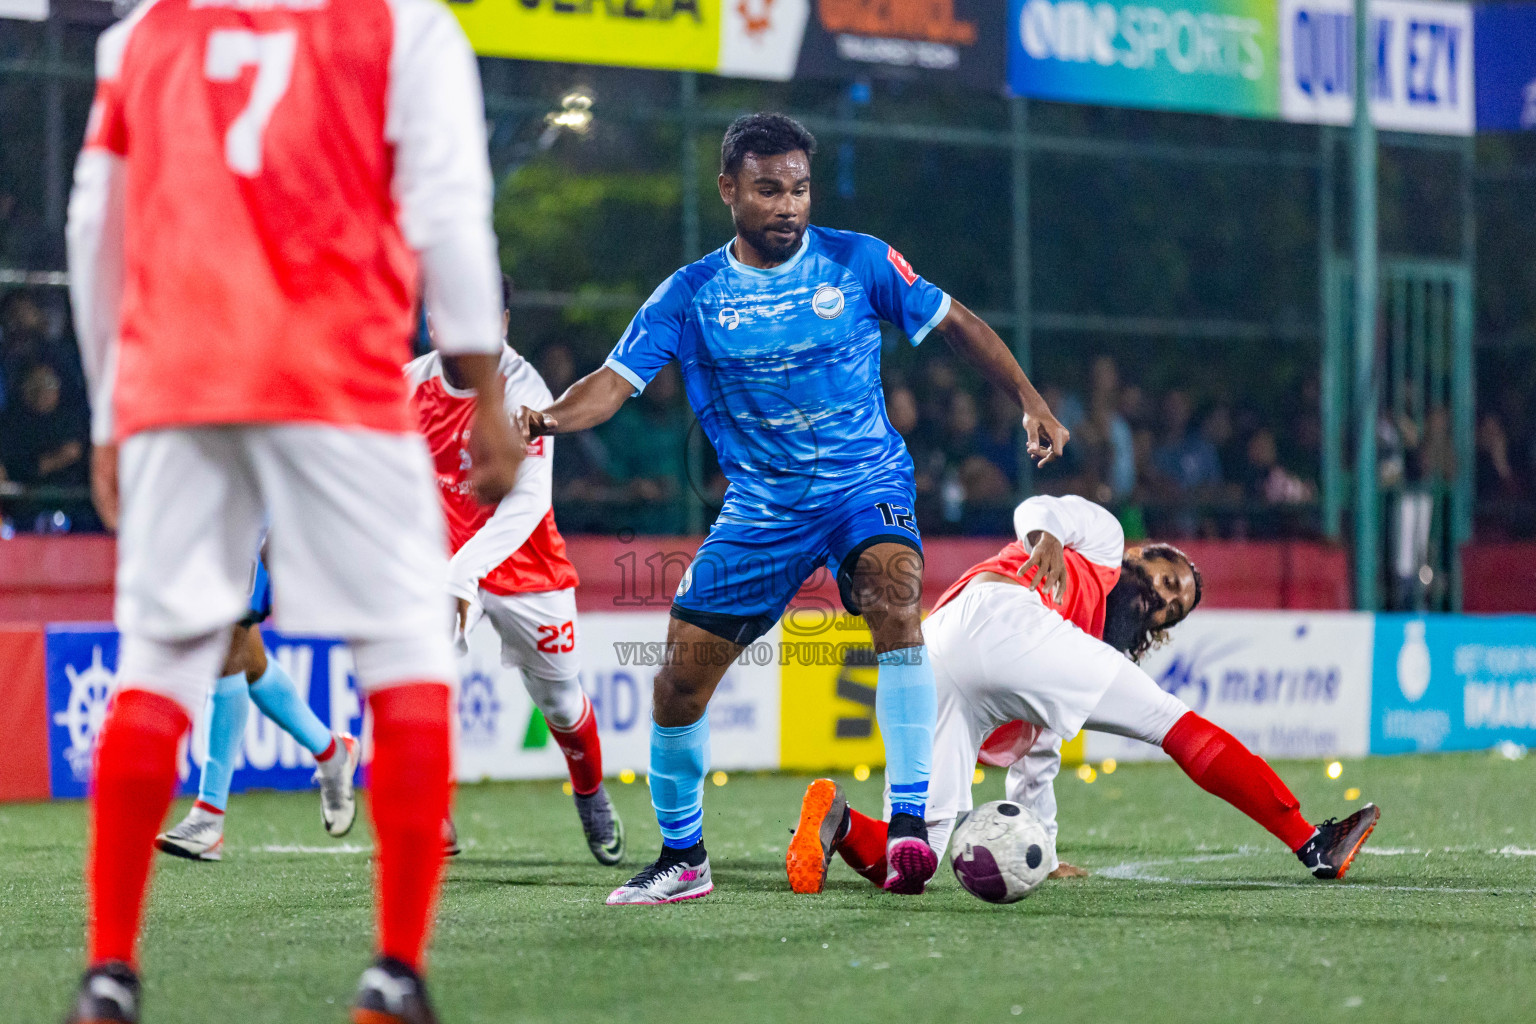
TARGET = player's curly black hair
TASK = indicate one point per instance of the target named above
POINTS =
(1133, 601)
(767, 134)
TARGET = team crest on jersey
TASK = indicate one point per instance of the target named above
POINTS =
(828, 302)
(900, 263)
(730, 319)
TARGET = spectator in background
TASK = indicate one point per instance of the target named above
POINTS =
(44, 443)
(646, 442)
(927, 455)
(580, 475)
(998, 441)
(1185, 461)
(1495, 474)
(1216, 430)
(975, 491)
(1106, 437)
(557, 366)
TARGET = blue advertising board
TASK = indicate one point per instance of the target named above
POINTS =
(1506, 67)
(1453, 682)
(81, 668)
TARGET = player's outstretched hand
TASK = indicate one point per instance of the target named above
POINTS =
(104, 483)
(1050, 564)
(495, 452)
(1047, 437)
(535, 423)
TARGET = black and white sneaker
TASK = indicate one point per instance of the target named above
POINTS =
(1332, 848)
(109, 994)
(676, 875)
(389, 992)
(910, 861)
(338, 800)
(198, 836)
(451, 847)
(602, 826)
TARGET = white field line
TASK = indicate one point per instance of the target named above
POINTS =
(338, 848)
(1143, 871)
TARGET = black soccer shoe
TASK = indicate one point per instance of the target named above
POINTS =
(109, 994)
(389, 992)
(1330, 852)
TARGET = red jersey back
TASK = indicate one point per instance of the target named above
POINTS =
(266, 277)
(1082, 599)
(511, 548)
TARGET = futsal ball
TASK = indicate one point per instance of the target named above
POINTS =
(1002, 852)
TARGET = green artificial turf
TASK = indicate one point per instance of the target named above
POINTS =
(1193, 914)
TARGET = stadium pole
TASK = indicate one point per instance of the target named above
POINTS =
(1367, 518)
(1023, 312)
(688, 108)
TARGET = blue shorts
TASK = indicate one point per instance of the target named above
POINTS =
(261, 597)
(745, 573)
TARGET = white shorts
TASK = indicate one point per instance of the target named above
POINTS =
(999, 654)
(538, 631)
(356, 546)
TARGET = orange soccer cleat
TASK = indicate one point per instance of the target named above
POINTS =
(810, 851)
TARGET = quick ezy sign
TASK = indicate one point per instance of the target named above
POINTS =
(1421, 75)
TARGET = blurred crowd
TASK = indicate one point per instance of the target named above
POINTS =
(1170, 463)
(44, 423)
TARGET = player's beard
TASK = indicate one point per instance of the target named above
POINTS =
(768, 245)
(1128, 611)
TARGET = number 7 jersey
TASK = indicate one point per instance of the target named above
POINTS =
(284, 161)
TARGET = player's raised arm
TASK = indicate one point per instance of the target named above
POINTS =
(969, 335)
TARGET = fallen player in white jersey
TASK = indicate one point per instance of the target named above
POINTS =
(1038, 643)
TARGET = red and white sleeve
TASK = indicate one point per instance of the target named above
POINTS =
(1089, 529)
(442, 175)
(93, 232)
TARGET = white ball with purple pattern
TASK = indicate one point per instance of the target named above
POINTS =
(1001, 852)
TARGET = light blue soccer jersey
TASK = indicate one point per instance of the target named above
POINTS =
(782, 366)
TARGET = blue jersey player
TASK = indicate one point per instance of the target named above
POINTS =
(778, 336)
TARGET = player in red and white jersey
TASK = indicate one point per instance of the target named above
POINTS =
(1039, 642)
(509, 566)
(266, 187)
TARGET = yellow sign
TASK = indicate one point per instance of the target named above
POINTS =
(827, 696)
(675, 34)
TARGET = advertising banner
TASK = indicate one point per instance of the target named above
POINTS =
(1216, 56)
(24, 10)
(1289, 685)
(680, 35)
(1421, 80)
(502, 736)
(1450, 682)
(82, 674)
(954, 40)
(1506, 67)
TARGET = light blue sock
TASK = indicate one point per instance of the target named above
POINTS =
(229, 707)
(679, 759)
(279, 700)
(906, 705)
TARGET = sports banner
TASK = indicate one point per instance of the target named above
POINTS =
(1214, 56)
(1453, 682)
(500, 735)
(682, 35)
(1421, 78)
(1505, 67)
(24, 10)
(82, 674)
(1288, 684)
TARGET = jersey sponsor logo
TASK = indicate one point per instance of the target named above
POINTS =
(902, 266)
(828, 302)
(729, 318)
(536, 448)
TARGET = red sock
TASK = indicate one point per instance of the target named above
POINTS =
(410, 794)
(583, 752)
(1222, 766)
(864, 846)
(135, 781)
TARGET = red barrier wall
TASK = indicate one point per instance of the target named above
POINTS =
(1499, 577)
(23, 715)
(64, 579)
(57, 579)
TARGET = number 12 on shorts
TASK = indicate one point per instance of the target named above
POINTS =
(897, 515)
